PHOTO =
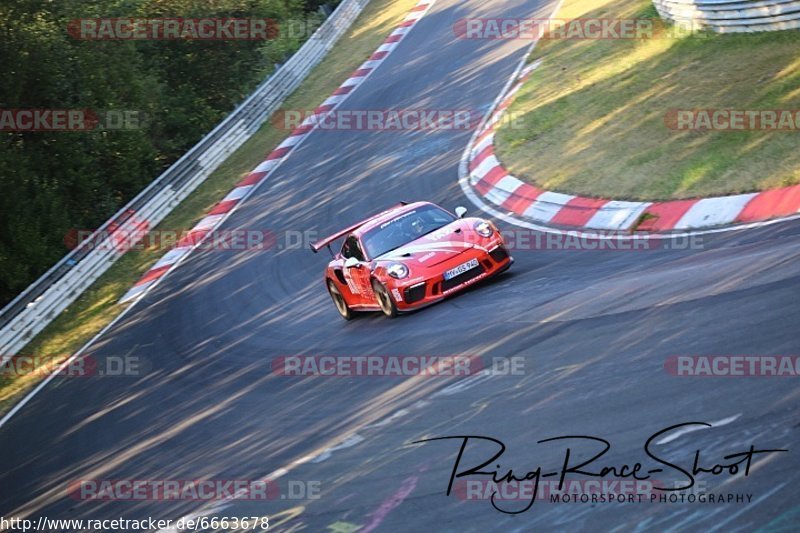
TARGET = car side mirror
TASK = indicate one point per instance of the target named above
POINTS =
(461, 211)
(351, 262)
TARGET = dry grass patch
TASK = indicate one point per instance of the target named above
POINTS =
(591, 120)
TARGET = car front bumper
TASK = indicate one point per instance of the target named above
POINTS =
(420, 292)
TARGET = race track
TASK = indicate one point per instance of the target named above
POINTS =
(594, 328)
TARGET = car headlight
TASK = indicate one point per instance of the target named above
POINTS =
(483, 228)
(397, 270)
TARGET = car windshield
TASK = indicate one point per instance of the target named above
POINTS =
(404, 228)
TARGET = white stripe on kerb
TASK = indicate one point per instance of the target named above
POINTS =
(482, 145)
(714, 211)
(486, 165)
(414, 16)
(335, 99)
(508, 184)
(291, 141)
(171, 257)
(266, 166)
(547, 205)
(355, 80)
(237, 193)
(617, 215)
(208, 222)
(372, 63)
(386, 47)
(497, 196)
(135, 291)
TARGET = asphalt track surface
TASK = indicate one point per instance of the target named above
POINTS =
(594, 329)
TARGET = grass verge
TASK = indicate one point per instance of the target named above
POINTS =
(98, 305)
(591, 120)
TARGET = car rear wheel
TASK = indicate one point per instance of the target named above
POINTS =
(338, 301)
(384, 299)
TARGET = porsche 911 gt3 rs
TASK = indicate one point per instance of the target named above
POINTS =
(410, 256)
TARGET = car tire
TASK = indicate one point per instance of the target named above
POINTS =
(339, 301)
(388, 307)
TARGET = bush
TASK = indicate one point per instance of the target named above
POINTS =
(52, 182)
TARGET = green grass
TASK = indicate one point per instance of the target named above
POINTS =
(591, 119)
(98, 305)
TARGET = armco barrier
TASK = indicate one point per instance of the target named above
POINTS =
(42, 301)
(727, 16)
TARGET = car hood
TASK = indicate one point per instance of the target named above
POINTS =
(436, 247)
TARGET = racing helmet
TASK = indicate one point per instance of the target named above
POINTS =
(416, 226)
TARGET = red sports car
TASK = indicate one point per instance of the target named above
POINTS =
(410, 256)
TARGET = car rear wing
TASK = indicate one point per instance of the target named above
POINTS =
(317, 246)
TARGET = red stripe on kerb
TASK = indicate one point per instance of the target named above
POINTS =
(768, 204)
(360, 72)
(302, 130)
(666, 214)
(490, 179)
(505, 103)
(251, 179)
(343, 90)
(486, 152)
(522, 198)
(421, 7)
(193, 237)
(482, 188)
(378, 55)
(223, 207)
(153, 274)
(406, 23)
(323, 109)
(392, 39)
(578, 211)
(277, 153)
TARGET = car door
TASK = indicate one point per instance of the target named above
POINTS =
(357, 277)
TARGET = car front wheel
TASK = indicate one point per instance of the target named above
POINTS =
(384, 299)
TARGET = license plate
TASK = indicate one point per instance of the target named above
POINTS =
(460, 269)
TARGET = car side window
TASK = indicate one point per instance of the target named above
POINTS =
(351, 248)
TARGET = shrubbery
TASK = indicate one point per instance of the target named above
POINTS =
(51, 182)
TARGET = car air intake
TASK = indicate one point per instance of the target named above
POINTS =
(499, 254)
(414, 294)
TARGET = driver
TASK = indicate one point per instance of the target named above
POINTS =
(416, 227)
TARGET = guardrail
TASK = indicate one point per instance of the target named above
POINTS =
(42, 301)
(726, 16)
